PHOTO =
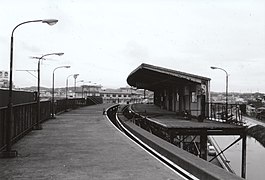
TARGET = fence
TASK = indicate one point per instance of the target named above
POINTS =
(19, 97)
(64, 104)
(25, 117)
(217, 111)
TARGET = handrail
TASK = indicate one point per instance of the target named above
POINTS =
(217, 111)
(25, 117)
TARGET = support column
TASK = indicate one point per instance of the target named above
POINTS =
(203, 105)
(203, 145)
(244, 156)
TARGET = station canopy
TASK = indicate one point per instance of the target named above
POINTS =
(153, 77)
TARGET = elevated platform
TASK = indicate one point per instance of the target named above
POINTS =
(190, 135)
(196, 166)
(82, 144)
(170, 120)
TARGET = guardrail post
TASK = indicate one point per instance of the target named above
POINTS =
(203, 144)
(9, 153)
(244, 156)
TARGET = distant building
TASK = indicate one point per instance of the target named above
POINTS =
(260, 113)
(260, 109)
(250, 110)
(85, 91)
(4, 75)
(122, 95)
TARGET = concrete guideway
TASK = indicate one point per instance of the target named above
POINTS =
(81, 144)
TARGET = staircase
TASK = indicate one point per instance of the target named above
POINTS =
(92, 100)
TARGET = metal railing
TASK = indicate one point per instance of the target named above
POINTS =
(25, 117)
(62, 105)
(3, 127)
(217, 112)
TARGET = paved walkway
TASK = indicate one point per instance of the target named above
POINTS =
(81, 144)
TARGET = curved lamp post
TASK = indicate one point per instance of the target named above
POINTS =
(82, 86)
(8, 152)
(66, 90)
(53, 88)
(85, 92)
(75, 76)
(66, 87)
(38, 126)
(226, 91)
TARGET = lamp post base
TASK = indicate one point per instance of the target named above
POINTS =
(8, 154)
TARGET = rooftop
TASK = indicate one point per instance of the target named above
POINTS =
(150, 77)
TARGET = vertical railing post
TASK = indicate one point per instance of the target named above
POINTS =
(244, 156)
(203, 144)
(38, 125)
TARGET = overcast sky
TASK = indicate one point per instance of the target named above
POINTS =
(105, 40)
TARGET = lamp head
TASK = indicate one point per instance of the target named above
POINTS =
(50, 21)
(59, 54)
(212, 67)
(67, 66)
(75, 75)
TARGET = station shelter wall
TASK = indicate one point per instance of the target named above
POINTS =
(180, 99)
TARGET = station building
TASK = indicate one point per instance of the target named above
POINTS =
(4, 79)
(123, 95)
(173, 90)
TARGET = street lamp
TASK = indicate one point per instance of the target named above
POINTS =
(75, 76)
(8, 152)
(226, 91)
(82, 86)
(38, 126)
(66, 89)
(84, 93)
(53, 87)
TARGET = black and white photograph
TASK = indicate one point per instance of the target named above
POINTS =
(132, 89)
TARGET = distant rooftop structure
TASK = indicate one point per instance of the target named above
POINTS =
(4, 75)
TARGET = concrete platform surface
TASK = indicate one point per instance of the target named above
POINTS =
(169, 119)
(82, 144)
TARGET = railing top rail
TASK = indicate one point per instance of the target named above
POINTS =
(223, 103)
(4, 107)
(24, 104)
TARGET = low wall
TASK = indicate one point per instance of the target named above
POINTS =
(19, 97)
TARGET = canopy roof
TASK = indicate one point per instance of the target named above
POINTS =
(153, 77)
